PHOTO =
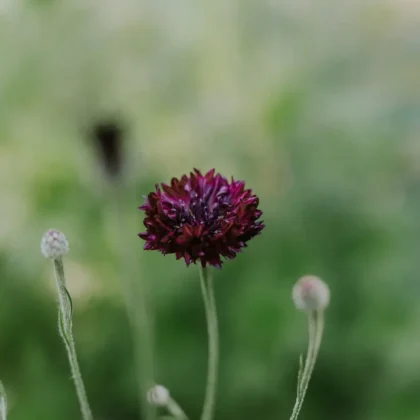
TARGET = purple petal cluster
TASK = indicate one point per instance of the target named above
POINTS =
(201, 218)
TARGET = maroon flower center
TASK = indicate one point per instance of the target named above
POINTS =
(201, 211)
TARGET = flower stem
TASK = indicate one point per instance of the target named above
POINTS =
(213, 336)
(175, 410)
(135, 293)
(3, 402)
(66, 332)
(316, 328)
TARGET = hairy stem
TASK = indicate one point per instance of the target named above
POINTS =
(66, 332)
(316, 327)
(213, 337)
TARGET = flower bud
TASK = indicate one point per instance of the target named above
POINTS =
(108, 136)
(54, 244)
(310, 294)
(158, 395)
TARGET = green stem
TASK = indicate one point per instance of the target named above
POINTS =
(309, 356)
(66, 332)
(3, 402)
(175, 410)
(316, 328)
(213, 336)
(134, 291)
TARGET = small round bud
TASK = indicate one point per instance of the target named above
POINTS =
(310, 293)
(54, 244)
(158, 395)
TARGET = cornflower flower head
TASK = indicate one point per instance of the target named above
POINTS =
(201, 218)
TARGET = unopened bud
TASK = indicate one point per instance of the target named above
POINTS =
(108, 136)
(158, 395)
(54, 244)
(310, 294)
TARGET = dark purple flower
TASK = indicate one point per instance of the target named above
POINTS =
(201, 218)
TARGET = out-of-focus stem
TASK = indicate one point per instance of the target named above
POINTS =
(316, 328)
(175, 410)
(213, 337)
(3, 402)
(135, 294)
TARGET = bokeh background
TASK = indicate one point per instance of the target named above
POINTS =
(316, 104)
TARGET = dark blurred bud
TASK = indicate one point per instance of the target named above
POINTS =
(108, 141)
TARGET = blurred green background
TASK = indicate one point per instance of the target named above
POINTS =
(316, 104)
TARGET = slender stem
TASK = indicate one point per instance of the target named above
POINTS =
(78, 381)
(213, 336)
(309, 356)
(303, 377)
(175, 410)
(66, 332)
(316, 327)
(135, 294)
(3, 402)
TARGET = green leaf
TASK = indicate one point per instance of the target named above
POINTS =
(67, 307)
(300, 372)
(65, 333)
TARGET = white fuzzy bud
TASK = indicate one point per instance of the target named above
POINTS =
(54, 244)
(158, 395)
(310, 294)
